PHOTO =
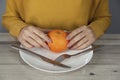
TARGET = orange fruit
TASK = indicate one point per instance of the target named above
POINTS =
(59, 42)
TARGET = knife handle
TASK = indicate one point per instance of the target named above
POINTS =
(20, 48)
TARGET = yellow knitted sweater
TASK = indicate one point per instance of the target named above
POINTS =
(56, 14)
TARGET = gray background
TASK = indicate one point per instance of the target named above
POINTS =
(114, 8)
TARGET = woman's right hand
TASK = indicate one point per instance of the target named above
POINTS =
(33, 37)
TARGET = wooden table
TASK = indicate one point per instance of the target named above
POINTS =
(105, 64)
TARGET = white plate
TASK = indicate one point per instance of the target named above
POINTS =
(75, 62)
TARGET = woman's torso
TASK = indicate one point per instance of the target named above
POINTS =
(57, 14)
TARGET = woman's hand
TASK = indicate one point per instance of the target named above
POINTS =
(33, 37)
(81, 38)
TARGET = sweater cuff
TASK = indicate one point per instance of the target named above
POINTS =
(97, 31)
(17, 28)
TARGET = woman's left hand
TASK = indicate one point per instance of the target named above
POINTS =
(81, 38)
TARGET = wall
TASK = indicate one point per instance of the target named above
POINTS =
(2, 7)
(114, 8)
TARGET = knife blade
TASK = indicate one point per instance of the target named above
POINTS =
(42, 57)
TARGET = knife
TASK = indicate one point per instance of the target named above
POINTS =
(42, 57)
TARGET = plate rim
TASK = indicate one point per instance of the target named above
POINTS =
(56, 71)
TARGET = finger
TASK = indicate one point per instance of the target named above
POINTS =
(75, 32)
(76, 39)
(33, 36)
(39, 41)
(41, 34)
(82, 41)
(32, 42)
(26, 44)
(88, 43)
(91, 40)
(38, 32)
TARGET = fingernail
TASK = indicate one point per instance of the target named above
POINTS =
(67, 38)
(68, 45)
(49, 41)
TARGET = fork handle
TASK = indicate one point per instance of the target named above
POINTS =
(93, 48)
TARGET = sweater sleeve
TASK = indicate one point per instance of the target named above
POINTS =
(11, 19)
(101, 19)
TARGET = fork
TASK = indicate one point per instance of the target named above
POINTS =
(65, 56)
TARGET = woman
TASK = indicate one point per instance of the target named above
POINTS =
(29, 20)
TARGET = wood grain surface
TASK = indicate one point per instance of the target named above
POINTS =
(105, 64)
